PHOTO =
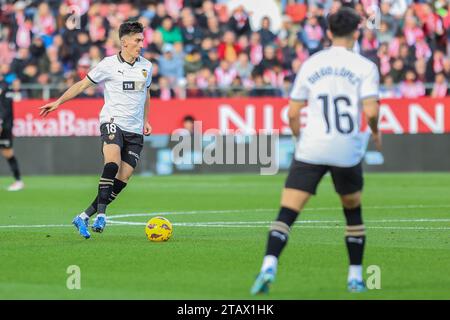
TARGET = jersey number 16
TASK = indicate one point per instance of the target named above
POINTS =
(339, 116)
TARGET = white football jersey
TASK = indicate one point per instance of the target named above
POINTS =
(334, 82)
(126, 87)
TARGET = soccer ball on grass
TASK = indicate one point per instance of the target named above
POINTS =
(158, 229)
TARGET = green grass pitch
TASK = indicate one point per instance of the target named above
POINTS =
(220, 230)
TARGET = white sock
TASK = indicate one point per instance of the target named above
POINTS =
(84, 216)
(101, 215)
(269, 262)
(355, 273)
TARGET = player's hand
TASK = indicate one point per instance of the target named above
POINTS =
(49, 107)
(147, 129)
(376, 138)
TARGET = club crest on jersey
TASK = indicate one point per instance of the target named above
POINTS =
(111, 136)
(144, 73)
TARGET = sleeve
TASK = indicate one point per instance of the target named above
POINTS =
(370, 84)
(99, 73)
(300, 89)
(149, 77)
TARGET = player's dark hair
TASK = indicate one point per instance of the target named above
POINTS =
(344, 22)
(188, 118)
(130, 27)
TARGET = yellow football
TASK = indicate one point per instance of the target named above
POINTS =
(158, 229)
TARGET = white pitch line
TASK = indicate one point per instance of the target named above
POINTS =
(206, 225)
(273, 210)
(36, 226)
(249, 224)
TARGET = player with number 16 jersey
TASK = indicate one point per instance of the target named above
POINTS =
(334, 82)
(337, 86)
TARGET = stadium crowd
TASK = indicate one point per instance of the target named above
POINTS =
(201, 49)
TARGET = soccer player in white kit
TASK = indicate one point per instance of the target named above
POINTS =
(338, 86)
(123, 119)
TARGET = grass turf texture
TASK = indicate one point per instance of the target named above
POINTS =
(221, 260)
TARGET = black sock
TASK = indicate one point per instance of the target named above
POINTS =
(118, 186)
(105, 186)
(355, 236)
(279, 231)
(14, 165)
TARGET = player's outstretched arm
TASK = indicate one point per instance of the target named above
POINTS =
(294, 116)
(371, 108)
(70, 93)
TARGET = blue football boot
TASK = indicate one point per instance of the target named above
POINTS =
(99, 224)
(356, 286)
(82, 226)
(263, 281)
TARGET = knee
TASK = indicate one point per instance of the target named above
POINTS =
(122, 177)
(351, 201)
(8, 153)
(110, 169)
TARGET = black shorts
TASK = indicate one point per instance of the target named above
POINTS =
(6, 139)
(130, 143)
(306, 177)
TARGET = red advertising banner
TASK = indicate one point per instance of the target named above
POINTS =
(79, 117)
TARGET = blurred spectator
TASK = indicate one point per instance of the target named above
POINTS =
(159, 16)
(204, 12)
(56, 77)
(267, 36)
(170, 33)
(192, 90)
(412, 31)
(192, 35)
(213, 31)
(193, 62)
(386, 17)
(17, 92)
(18, 64)
(385, 34)
(423, 71)
(21, 26)
(237, 88)
(411, 87)
(212, 60)
(203, 77)
(256, 49)
(397, 71)
(388, 89)
(261, 88)
(188, 123)
(165, 92)
(406, 54)
(171, 65)
(225, 74)
(228, 49)
(243, 67)
(41, 44)
(239, 22)
(212, 91)
(7, 51)
(6, 73)
(312, 35)
(44, 22)
(369, 43)
(269, 60)
(440, 86)
(384, 59)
